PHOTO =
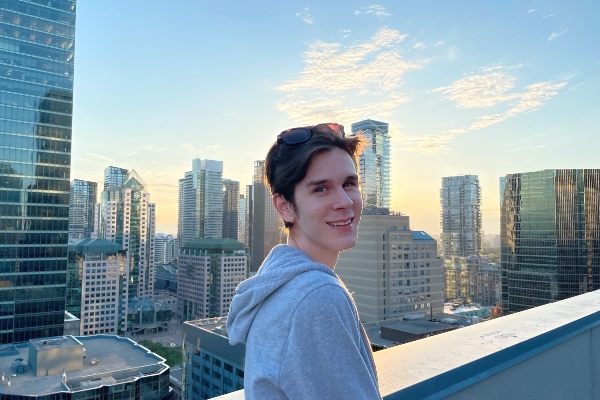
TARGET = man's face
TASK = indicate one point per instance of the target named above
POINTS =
(328, 206)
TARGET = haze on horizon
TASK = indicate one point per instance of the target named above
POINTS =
(485, 89)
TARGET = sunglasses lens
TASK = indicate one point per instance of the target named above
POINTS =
(295, 136)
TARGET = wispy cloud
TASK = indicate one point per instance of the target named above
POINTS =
(479, 91)
(101, 157)
(548, 16)
(345, 83)
(533, 10)
(345, 33)
(438, 44)
(374, 9)
(305, 16)
(419, 45)
(495, 89)
(554, 35)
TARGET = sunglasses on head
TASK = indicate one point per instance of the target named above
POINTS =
(302, 135)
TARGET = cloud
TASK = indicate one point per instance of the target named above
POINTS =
(345, 32)
(305, 16)
(431, 144)
(374, 9)
(438, 44)
(533, 98)
(419, 45)
(554, 35)
(100, 157)
(549, 15)
(480, 91)
(533, 10)
(345, 83)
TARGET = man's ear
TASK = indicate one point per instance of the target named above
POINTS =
(284, 208)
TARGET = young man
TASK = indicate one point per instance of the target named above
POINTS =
(302, 333)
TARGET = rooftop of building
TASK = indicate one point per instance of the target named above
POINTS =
(422, 235)
(119, 359)
(93, 245)
(214, 243)
(211, 335)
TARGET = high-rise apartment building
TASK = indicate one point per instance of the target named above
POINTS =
(128, 218)
(97, 285)
(249, 217)
(267, 227)
(461, 216)
(374, 164)
(166, 248)
(36, 106)
(242, 206)
(114, 176)
(550, 236)
(209, 271)
(82, 204)
(392, 271)
(200, 211)
(231, 203)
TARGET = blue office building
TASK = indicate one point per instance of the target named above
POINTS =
(37, 43)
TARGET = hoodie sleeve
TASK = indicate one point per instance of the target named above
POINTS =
(325, 355)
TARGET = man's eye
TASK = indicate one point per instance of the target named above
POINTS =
(350, 183)
(319, 189)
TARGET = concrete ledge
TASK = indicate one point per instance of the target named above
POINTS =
(459, 364)
(440, 366)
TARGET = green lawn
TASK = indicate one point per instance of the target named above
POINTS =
(171, 354)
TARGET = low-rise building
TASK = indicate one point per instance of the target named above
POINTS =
(211, 366)
(78, 367)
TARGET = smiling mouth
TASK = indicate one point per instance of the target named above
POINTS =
(342, 223)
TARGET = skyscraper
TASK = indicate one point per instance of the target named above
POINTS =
(82, 204)
(36, 106)
(460, 198)
(374, 164)
(550, 236)
(231, 203)
(267, 227)
(242, 207)
(201, 201)
(128, 218)
(113, 176)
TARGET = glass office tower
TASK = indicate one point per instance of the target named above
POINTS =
(82, 206)
(37, 43)
(374, 164)
(550, 236)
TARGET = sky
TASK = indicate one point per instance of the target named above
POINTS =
(482, 88)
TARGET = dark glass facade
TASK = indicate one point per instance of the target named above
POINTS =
(231, 204)
(81, 209)
(550, 236)
(37, 43)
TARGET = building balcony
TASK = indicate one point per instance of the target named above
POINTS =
(547, 352)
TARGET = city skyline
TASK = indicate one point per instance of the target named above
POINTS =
(489, 90)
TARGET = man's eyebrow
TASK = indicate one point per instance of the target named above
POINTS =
(319, 182)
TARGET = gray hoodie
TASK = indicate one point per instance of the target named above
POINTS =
(302, 333)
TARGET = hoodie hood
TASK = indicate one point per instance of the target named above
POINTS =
(281, 265)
